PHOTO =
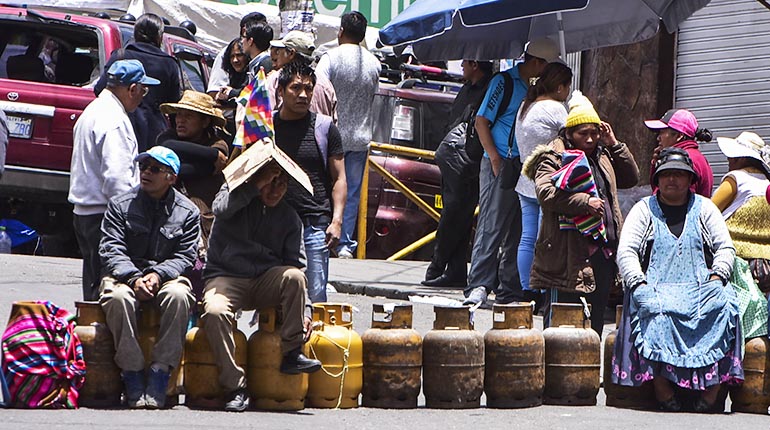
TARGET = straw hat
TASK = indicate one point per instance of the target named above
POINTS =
(196, 102)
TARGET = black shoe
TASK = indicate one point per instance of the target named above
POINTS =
(444, 281)
(295, 362)
(670, 405)
(237, 401)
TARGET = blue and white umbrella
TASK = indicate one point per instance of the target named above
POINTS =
(490, 29)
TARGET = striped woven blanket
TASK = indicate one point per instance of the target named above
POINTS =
(42, 357)
(575, 176)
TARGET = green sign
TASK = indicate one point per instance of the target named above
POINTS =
(378, 12)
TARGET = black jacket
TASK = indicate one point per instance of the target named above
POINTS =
(142, 235)
(248, 238)
(147, 119)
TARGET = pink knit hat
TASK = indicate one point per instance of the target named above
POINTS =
(680, 120)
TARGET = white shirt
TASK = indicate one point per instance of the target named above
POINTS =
(354, 72)
(218, 77)
(540, 126)
(103, 151)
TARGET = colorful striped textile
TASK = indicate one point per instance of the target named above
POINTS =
(42, 357)
(575, 177)
(257, 122)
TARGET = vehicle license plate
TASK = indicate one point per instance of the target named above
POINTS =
(438, 202)
(19, 127)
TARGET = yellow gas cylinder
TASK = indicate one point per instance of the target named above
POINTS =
(201, 375)
(619, 396)
(572, 358)
(753, 396)
(392, 359)
(339, 348)
(269, 388)
(103, 386)
(149, 325)
(453, 361)
(514, 376)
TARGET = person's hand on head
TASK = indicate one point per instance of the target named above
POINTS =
(606, 135)
(266, 175)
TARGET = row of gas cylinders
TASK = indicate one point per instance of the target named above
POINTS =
(514, 364)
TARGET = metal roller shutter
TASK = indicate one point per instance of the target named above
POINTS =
(723, 72)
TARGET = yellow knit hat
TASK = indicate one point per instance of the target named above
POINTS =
(581, 111)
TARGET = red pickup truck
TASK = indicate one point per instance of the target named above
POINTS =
(49, 62)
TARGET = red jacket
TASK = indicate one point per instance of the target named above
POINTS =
(705, 182)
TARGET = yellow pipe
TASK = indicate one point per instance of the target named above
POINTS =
(406, 191)
(363, 207)
(403, 150)
(419, 243)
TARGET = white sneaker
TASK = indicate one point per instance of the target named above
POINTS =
(477, 296)
(345, 254)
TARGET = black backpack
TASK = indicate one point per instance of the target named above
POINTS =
(472, 143)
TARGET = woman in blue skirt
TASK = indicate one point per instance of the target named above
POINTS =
(680, 323)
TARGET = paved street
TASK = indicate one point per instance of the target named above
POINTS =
(33, 278)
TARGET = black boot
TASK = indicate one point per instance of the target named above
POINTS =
(295, 362)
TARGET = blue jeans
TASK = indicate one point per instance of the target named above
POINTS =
(355, 162)
(317, 254)
(530, 225)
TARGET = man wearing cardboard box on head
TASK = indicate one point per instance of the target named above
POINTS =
(254, 262)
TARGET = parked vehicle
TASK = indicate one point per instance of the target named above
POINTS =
(412, 113)
(49, 63)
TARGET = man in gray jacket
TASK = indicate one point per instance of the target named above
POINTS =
(149, 238)
(254, 262)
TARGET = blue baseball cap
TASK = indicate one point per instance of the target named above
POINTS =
(162, 155)
(127, 72)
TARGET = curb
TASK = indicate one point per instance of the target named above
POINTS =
(390, 292)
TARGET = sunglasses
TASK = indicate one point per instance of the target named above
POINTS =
(665, 158)
(153, 169)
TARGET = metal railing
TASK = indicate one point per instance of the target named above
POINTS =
(398, 185)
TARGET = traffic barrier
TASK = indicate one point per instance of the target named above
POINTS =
(514, 376)
(392, 359)
(269, 388)
(453, 361)
(572, 358)
(334, 342)
(619, 396)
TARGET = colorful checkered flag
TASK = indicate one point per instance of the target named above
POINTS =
(257, 122)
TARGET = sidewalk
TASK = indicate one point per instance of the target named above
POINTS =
(390, 279)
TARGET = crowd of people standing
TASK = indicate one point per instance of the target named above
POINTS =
(157, 222)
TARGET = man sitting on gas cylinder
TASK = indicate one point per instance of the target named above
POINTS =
(254, 262)
(149, 238)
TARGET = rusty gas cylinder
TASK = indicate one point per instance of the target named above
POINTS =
(572, 358)
(392, 359)
(334, 342)
(453, 361)
(103, 386)
(514, 376)
(201, 374)
(149, 325)
(269, 388)
(753, 396)
(620, 396)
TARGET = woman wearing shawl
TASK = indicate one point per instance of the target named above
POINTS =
(680, 324)
(575, 249)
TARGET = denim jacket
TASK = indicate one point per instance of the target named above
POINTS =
(142, 235)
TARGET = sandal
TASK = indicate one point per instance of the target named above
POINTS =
(670, 405)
